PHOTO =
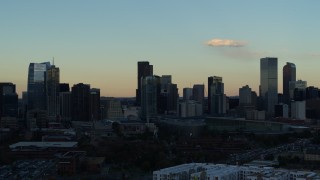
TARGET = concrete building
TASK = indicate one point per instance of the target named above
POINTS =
(298, 110)
(113, 109)
(190, 109)
(269, 83)
(297, 90)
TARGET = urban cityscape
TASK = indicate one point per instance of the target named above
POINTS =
(159, 90)
(76, 132)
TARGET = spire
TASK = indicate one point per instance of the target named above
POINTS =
(52, 60)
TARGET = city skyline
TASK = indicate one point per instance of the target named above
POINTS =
(100, 43)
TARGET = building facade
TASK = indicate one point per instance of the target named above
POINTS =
(36, 85)
(149, 97)
(289, 74)
(269, 83)
(216, 97)
(144, 70)
(80, 102)
(52, 92)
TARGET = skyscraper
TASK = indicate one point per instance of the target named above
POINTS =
(95, 104)
(52, 91)
(216, 97)
(149, 97)
(144, 70)
(80, 97)
(36, 85)
(289, 74)
(198, 93)
(269, 83)
(245, 95)
(187, 93)
(8, 100)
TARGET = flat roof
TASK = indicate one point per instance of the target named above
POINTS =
(44, 144)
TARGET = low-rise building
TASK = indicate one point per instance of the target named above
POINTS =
(207, 171)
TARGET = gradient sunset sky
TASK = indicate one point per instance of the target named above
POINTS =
(100, 42)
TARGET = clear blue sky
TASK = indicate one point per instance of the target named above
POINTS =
(100, 42)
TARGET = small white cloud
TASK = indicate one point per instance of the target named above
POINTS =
(225, 43)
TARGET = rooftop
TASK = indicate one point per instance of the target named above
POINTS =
(44, 144)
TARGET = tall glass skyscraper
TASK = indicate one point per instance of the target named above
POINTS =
(269, 83)
(37, 86)
(216, 96)
(149, 97)
(144, 70)
(289, 74)
(52, 92)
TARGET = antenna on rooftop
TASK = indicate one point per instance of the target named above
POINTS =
(52, 60)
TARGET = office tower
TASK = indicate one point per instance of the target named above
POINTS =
(8, 100)
(298, 110)
(164, 80)
(173, 97)
(64, 87)
(198, 93)
(80, 97)
(37, 86)
(289, 74)
(168, 97)
(65, 106)
(245, 95)
(52, 91)
(95, 104)
(187, 93)
(144, 70)
(312, 92)
(149, 97)
(216, 97)
(297, 90)
(269, 83)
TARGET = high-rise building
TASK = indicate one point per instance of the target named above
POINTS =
(297, 90)
(95, 104)
(245, 95)
(65, 106)
(36, 85)
(165, 80)
(144, 70)
(289, 74)
(198, 93)
(8, 100)
(64, 87)
(187, 93)
(168, 97)
(80, 97)
(52, 91)
(113, 109)
(269, 83)
(216, 97)
(149, 97)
